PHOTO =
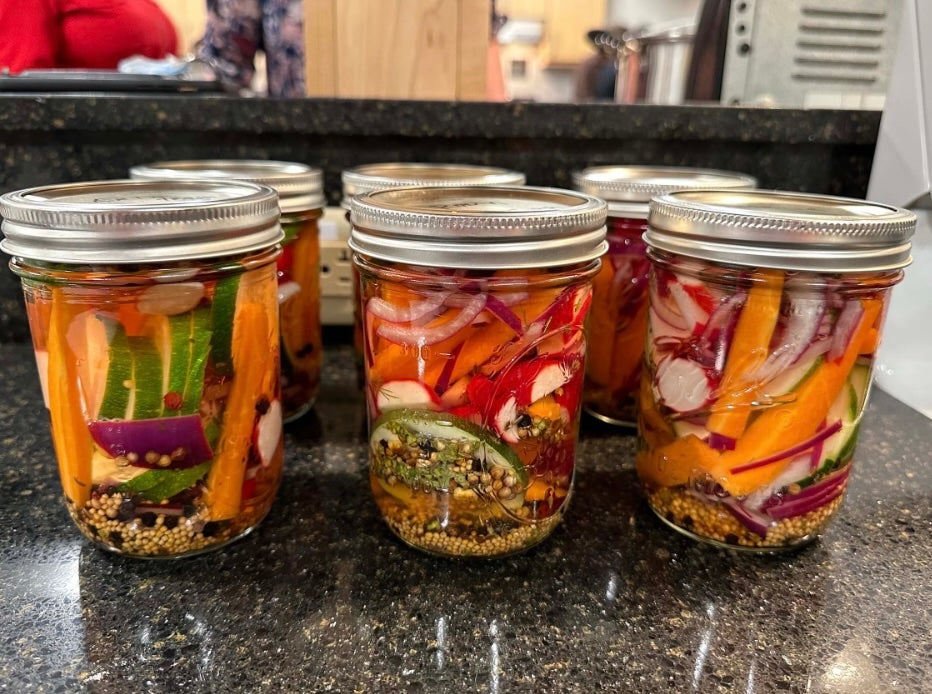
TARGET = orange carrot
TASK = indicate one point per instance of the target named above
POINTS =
(749, 348)
(300, 315)
(255, 366)
(678, 462)
(790, 424)
(73, 444)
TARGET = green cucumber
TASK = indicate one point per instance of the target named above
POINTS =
(115, 401)
(146, 399)
(792, 377)
(447, 449)
(223, 307)
(189, 338)
(156, 485)
(847, 408)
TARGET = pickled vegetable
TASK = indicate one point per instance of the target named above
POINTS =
(618, 325)
(299, 305)
(750, 405)
(165, 406)
(474, 390)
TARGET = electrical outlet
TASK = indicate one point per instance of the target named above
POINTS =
(336, 269)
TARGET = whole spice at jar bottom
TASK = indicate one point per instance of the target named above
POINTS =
(466, 534)
(110, 519)
(713, 521)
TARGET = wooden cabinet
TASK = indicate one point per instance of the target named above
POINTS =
(396, 49)
(565, 25)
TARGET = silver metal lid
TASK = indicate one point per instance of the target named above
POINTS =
(118, 222)
(628, 189)
(475, 227)
(776, 229)
(300, 187)
(370, 177)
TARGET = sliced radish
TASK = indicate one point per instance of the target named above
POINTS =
(406, 393)
(286, 290)
(269, 432)
(682, 385)
(549, 377)
(170, 299)
(693, 314)
(506, 420)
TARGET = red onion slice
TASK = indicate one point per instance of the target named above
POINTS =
(819, 436)
(422, 336)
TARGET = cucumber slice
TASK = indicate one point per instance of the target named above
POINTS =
(793, 377)
(847, 408)
(428, 450)
(184, 344)
(223, 306)
(115, 401)
(156, 485)
(146, 396)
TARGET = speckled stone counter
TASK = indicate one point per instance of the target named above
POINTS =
(321, 597)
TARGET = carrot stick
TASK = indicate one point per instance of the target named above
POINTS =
(255, 350)
(749, 348)
(73, 444)
(301, 314)
(790, 424)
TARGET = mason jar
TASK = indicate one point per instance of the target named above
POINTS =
(766, 310)
(301, 198)
(152, 308)
(618, 322)
(367, 178)
(473, 302)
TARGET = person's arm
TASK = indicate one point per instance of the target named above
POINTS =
(231, 39)
(28, 35)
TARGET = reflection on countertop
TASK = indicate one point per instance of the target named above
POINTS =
(321, 597)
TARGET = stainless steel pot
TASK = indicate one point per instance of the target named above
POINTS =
(653, 66)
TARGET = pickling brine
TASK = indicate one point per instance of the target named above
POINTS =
(618, 325)
(161, 377)
(756, 377)
(619, 304)
(474, 387)
(474, 375)
(164, 401)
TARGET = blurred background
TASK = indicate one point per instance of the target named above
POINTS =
(795, 53)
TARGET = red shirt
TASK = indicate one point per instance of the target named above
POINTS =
(94, 34)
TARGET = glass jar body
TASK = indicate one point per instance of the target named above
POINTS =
(162, 384)
(618, 325)
(473, 382)
(754, 384)
(299, 305)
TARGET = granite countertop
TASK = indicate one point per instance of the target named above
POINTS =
(322, 597)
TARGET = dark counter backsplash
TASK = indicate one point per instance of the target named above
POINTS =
(63, 138)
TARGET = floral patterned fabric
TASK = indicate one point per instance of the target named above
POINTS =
(236, 29)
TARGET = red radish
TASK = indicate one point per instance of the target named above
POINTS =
(660, 325)
(524, 385)
(286, 290)
(406, 392)
(506, 420)
(682, 385)
(693, 314)
(269, 432)
(422, 336)
(180, 438)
